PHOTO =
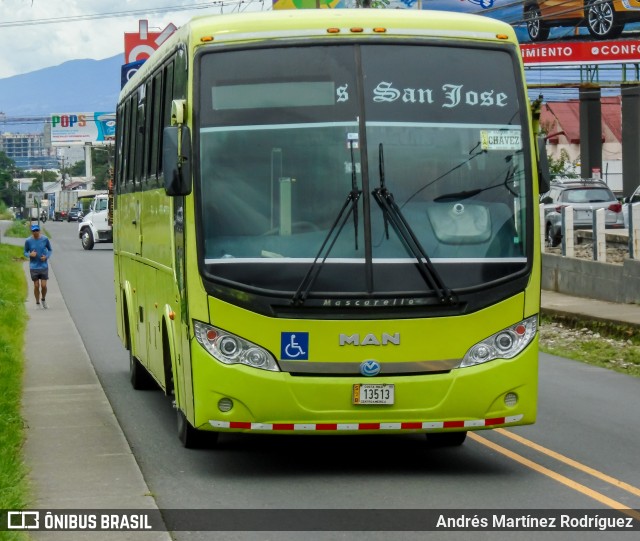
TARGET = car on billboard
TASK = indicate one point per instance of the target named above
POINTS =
(604, 19)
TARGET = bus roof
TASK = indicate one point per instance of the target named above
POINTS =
(289, 24)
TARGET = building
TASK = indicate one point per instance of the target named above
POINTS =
(28, 151)
(560, 121)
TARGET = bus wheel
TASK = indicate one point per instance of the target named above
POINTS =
(87, 239)
(446, 439)
(140, 379)
(191, 437)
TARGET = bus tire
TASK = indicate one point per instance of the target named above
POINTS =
(446, 439)
(140, 379)
(191, 437)
(87, 239)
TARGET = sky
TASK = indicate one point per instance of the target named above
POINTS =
(36, 34)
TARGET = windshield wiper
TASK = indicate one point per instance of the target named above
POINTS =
(351, 203)
(393, 215)
(456, 196)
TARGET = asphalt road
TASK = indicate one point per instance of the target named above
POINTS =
(581, 454)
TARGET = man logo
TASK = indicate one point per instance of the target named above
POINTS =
(370, 339)
(370, 368)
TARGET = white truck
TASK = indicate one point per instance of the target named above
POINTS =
(96, 224)
(65, 200)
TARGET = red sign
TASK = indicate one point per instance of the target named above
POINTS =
(580, 52)
(140, 46)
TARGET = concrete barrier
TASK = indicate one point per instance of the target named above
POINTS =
(592, 279)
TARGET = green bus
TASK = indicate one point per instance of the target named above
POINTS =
(326, 222)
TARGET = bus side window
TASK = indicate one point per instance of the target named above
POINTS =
(148, 139)
(120, 142)
(139, 137)
(131, 145)
(156, 136)
(167, 98)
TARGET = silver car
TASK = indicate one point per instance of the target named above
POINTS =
(585, 196)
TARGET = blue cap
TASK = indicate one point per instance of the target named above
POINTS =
(35, 227)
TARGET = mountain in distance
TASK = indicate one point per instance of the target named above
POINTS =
(74, 86)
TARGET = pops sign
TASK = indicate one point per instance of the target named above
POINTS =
(82, 128)
(68, 120)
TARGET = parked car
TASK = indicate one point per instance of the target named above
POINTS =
(585, 196)
(634, 198)
(74, 215)
(605, 19)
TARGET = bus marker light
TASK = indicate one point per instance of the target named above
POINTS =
(510, 399)
(333, 30)
(502, 36)
(225, 404)
(205, 39)
(379, 30)
(172, 315)
(212, 335)
(356, 30)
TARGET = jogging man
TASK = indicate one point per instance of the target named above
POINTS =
(37, 249)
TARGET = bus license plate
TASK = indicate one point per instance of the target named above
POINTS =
(365, 393)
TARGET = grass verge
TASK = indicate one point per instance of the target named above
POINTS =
(14, 487)
(19, 228)
(608, 345)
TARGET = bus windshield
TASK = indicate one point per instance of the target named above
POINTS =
(287, 133)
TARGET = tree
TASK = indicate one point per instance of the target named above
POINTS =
(562, 166)
(77, 169)
(9, 193)
(37, 185)
(376, 4)
(101, 162)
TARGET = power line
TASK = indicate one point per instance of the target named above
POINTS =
(128, 13)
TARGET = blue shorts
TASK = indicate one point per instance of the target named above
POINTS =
(39, 274)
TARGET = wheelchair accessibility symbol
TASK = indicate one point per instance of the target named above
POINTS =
(294, 346)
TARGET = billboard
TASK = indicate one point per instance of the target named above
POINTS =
(541, 20)
(339, 4)
(82, 128)
(141, 45)
(571, 53)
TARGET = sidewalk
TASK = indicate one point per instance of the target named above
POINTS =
(77, 455)
(565, 305)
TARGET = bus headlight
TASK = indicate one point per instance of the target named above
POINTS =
(231, 349)
(504, 344)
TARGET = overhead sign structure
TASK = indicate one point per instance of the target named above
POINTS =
(69, 129)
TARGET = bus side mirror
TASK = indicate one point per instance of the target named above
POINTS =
(544, 173)
(176, 160)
